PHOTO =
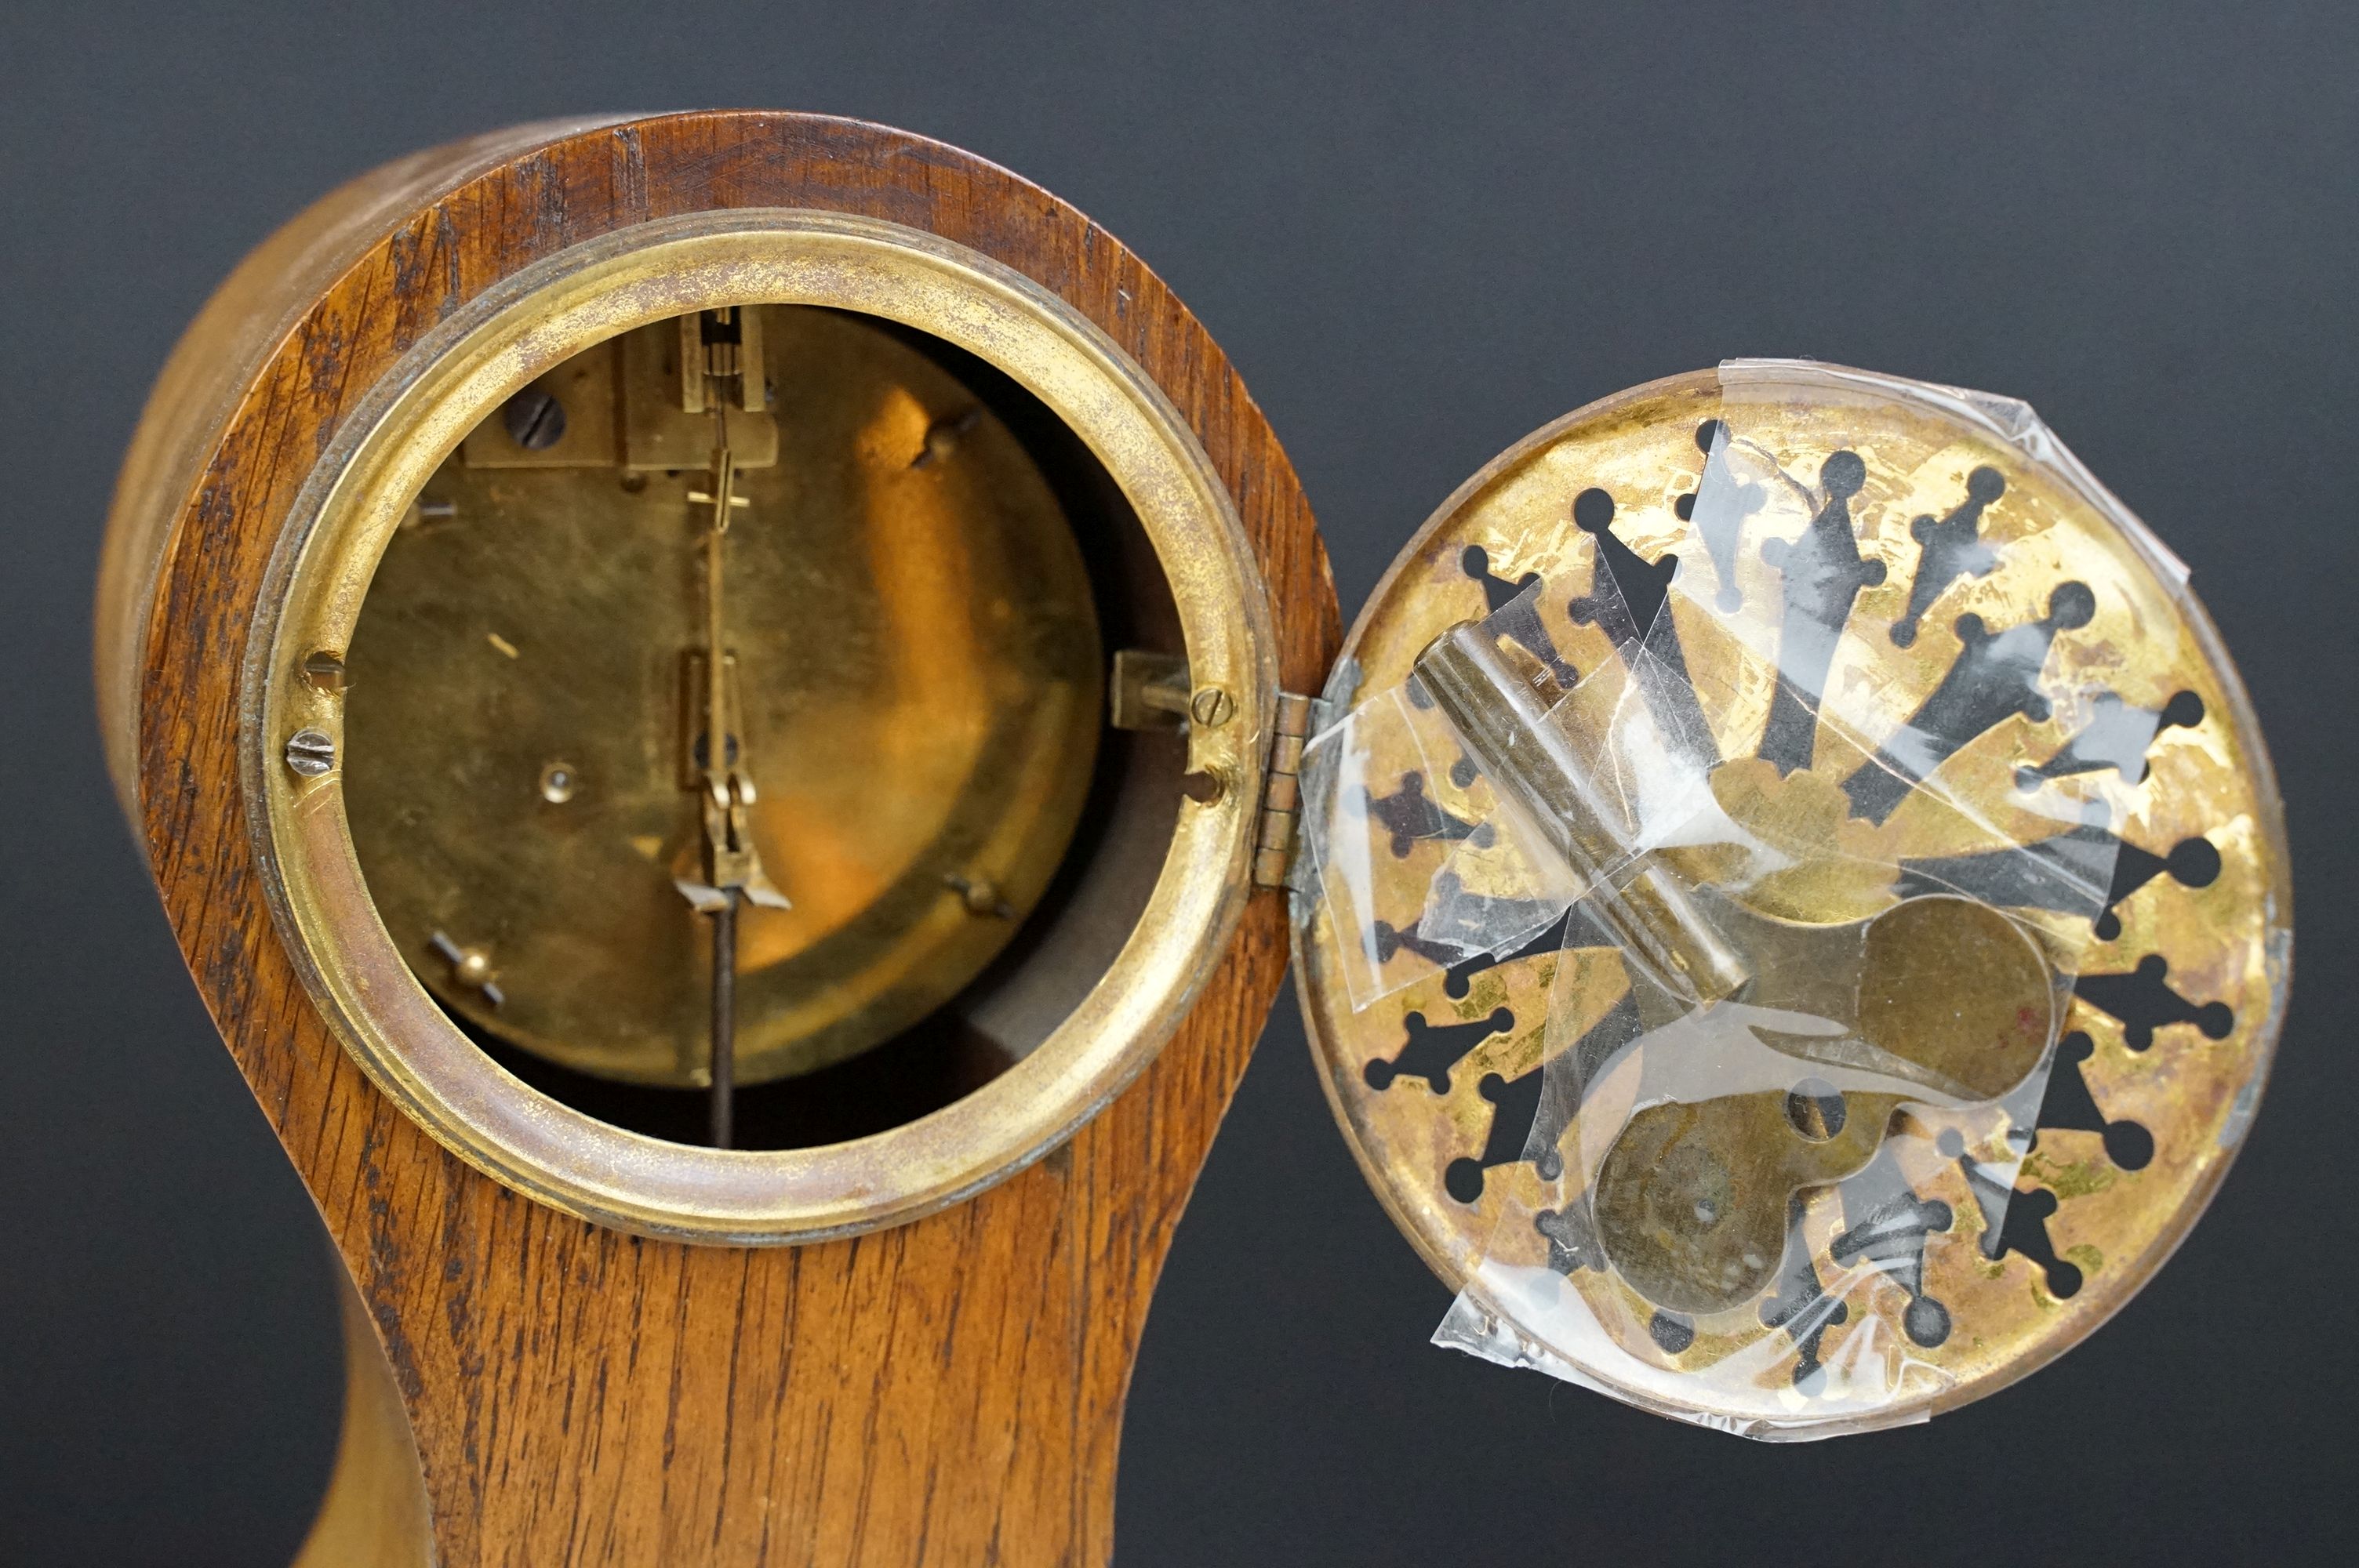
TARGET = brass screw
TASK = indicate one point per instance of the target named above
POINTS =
(1212, 707)
(535, 420)
(310, 752)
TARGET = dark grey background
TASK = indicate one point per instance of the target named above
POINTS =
(1420, 231)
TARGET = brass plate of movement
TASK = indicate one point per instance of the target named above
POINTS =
(917, 670)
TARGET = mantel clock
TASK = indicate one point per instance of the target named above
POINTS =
(738, 716)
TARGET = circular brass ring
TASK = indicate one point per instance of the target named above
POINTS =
(468, 366)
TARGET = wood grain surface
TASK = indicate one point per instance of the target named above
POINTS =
(949, 1392)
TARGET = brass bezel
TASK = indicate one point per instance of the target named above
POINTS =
(1401, 1176)
(384, 451)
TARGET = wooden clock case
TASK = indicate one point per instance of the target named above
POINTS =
(526, 1385)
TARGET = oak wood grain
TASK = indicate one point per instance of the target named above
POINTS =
(948, 1391)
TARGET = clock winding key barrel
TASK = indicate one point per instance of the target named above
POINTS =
(721, 708)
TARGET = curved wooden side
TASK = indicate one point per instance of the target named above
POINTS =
(374, 1514)
(948, 1391)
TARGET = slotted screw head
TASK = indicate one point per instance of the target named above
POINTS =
(310, 752)
(1212, 707)
(535, 420)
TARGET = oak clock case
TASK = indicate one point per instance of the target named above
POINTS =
(490, 493)
(413, 593)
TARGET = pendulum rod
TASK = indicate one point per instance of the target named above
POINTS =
(722, 814)
(732, 868)
(725, 1020)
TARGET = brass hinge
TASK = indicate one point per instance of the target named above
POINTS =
(1281, 795)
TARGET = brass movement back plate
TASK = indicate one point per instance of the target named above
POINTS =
(918, 671)
(2166, 1043)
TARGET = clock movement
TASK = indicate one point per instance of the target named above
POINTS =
(737, 714)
